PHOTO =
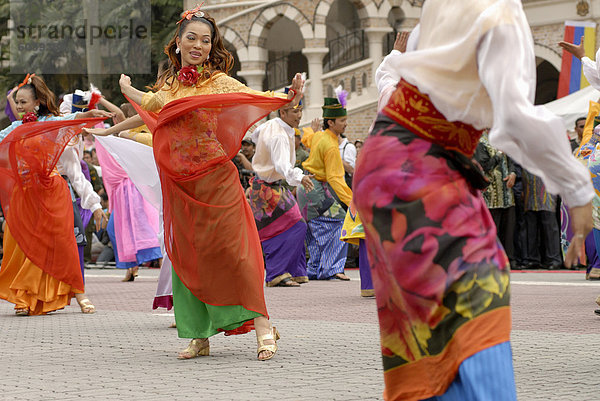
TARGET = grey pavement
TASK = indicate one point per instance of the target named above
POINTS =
(329, 348)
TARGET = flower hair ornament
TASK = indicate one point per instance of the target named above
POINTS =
(192, 13)
(26, 81)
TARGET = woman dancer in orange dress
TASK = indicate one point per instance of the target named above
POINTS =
(210, 234)
(40, 270)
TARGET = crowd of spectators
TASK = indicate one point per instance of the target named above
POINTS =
(527, 217)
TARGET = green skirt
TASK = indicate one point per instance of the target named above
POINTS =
(196, 319)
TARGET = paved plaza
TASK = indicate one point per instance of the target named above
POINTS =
(329, 348)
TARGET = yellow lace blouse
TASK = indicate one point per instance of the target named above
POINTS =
(187, 151)
(219, 83)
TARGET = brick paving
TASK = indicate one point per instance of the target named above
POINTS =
(328, 351)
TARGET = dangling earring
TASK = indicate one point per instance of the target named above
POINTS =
(177, 50)
(207, 57)
(36, 109)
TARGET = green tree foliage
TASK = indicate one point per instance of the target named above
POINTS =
(164, 15)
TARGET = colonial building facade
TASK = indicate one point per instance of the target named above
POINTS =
(342, 42)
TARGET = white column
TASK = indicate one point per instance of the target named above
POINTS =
(254, 78)
(375, 38)
(315, 55)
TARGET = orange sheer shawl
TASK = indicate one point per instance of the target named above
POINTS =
(36, 201)
(210, 233)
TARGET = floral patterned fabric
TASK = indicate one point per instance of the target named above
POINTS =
(274, 207)
(441, 277)
(321, 201)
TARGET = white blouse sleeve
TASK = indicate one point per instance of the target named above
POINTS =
(532, 135)
(70, 166)
(387, 76)
(591, 70)
(280, 156)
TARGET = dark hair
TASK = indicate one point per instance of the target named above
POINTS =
(128, 110)
(579, 119)
(87, 152)
(220, 60)
(104, 196)
(42, 93)
(326, 124)
(358, 141)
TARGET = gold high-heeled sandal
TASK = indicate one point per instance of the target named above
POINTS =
(197, 347)
(86, 306)
(268, 347)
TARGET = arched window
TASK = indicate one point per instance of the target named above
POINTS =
(284, 43)
(547, 82)
(236, 63)
(395, 19)
(353, 84)
(347, 43)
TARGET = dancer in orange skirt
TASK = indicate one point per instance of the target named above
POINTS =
(40, 270)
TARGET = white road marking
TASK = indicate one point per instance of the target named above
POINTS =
(556, 283)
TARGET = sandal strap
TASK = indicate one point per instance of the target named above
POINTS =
(270, 347)
(261, 339)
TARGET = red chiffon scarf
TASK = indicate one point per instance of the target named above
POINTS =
(210, 233)
(36, 202)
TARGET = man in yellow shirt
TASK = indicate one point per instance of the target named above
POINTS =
(324, 207)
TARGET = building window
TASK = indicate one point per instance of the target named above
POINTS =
(284, 43)
(345, 40)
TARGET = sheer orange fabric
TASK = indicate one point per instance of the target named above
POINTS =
(36, 201)
(210, 233)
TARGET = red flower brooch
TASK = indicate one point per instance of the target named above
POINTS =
(189, 75)
(29, 117)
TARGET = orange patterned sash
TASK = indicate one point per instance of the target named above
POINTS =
(414, 111)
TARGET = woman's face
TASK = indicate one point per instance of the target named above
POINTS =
(195, 43)
(26, 101)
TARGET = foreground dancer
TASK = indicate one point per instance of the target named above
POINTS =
(210, 233)
(40, 270)
(441, 277)
(281, 227)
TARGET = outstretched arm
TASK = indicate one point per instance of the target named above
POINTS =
(11, 102)
(591, 69)
(576, 50)
(130, 123)
(119, 116)
(134, 94)
(530, 134)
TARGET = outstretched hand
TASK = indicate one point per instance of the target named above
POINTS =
(100, 113)
(576, 50)
(401, 41)
(96, 131)
(296, 89)
(124, 81)
(315, 124)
